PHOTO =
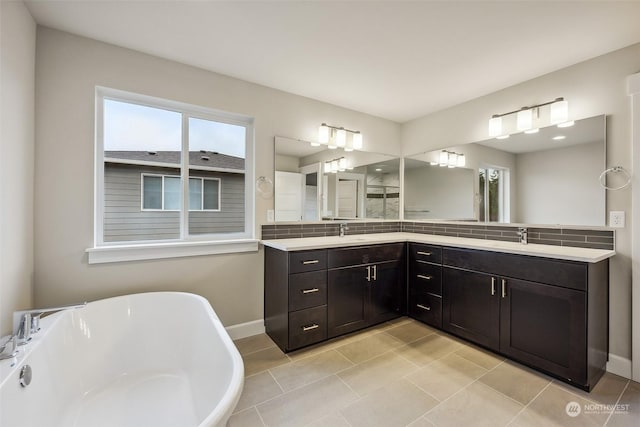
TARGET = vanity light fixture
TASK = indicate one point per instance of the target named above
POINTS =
(336, 165)
(450, 159)
(558, 113)
(336, 137)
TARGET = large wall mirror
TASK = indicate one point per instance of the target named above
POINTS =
(549, 177)
(317, 183)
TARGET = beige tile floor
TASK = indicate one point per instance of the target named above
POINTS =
(403, 373)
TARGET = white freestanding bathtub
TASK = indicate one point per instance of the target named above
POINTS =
(155, 359)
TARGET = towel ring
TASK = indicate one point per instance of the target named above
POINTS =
(615, 169)
(264, 187)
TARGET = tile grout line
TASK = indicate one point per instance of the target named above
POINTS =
(617, 402)
(276, 381)
(463, 388)
(264, 424)
(562, 385)
(524, 408)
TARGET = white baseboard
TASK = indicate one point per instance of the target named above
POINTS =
(243, 330)
(619, 366)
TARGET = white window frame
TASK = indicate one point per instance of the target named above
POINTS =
(163, 209)
(504, 200)
(187, 245)
(202, 180)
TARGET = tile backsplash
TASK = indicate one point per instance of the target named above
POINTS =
(582, 238)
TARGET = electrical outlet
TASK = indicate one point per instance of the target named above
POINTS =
(270, 215)
(616, 219)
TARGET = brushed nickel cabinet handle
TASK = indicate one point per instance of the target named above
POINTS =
(310, 327)
(313, 261)
(504, 288)
(421, 276)
(368, 273)
(424, 253)
(424, 307)
(375, 272)
(493, 286)
(310, 291)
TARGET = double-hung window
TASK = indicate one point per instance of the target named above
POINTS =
(170, 175)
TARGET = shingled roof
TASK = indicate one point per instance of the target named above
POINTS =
(209, 159)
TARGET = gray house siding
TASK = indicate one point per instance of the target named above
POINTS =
(124, 219)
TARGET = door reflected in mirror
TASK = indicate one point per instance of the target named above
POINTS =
(316, 183)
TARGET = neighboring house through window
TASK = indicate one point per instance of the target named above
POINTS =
(167, 171)
(161, 192)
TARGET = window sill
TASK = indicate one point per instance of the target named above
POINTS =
(147, 251)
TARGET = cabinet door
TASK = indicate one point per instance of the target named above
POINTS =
(545, 326)
(386, 289)
(471, 306)
(347, 300)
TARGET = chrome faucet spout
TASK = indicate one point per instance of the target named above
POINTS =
(523, 234)
(343, 228)
(27, 322)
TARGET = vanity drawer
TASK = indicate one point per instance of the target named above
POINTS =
(343, 257)
(422, 252)
(302, 261)
(426, 308)
(307, 290)
(425, 278)
(307, 327)
(568, 274)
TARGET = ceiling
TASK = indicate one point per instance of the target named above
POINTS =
(392, 59)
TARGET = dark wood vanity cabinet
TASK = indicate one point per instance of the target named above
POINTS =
(546, 313)
(295, 297)
(314, 295)
(365, 286)
(425, 283)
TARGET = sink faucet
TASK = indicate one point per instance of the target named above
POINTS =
(27, 322)
(343, 227)
(522, 233)
(8, 347)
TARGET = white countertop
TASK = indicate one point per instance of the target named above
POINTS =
(545, 251)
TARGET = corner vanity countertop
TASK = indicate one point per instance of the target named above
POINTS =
(545, 251)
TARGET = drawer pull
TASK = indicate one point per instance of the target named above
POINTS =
(313, 261)
(493, 286)
(310, 291)
(368, 273)
(504, 288)
(424, 307)
(421, 276)
(424, 253)
(375, 272)
(310, 327)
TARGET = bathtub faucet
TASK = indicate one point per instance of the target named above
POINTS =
(27, 322)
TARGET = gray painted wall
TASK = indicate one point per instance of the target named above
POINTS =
(68, 68)
(124, 219)
(593, 87)
(17, 85)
